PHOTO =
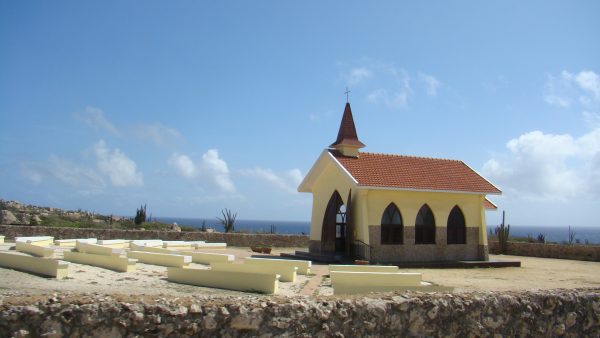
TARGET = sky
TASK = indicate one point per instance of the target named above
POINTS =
(195, 106)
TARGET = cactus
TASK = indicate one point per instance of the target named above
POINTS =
(541, 238)
(503, 232)
(571, 235)
(228, 219)
(140, 215)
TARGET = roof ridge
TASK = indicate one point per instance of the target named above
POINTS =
(411, 156)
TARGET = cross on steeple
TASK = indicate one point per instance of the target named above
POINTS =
(347, 96)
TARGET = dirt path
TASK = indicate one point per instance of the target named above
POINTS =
(535, 274)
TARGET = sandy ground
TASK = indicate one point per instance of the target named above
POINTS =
(535, 274)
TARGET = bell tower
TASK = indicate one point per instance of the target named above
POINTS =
(347, 142)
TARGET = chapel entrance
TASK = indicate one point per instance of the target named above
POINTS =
(333, 232)
(340, 230)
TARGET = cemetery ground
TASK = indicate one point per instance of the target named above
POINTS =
(535, 274)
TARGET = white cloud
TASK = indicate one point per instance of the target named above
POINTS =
(32, 175)
(157, 133)
(549, 166)
(94, 117)
(211, 169)
(591, 119)
(287, 181)
(398, 96)
(184, 165)
(431, 83)
(319, 116)
(121, 170)
(358, 75)
(217, 169)
(589, 81)
(64, 171)
(568, 88)
(393, 99)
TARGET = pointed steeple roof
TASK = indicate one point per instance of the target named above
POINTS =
(347, 133)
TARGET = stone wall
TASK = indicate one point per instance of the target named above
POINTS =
(570, 313)
(411, 252)
(232, 239)
(576, 252)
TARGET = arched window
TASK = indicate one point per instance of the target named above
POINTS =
(425, 226)
(391, 225)
(456, 227)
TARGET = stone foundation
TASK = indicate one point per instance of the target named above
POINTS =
(411, 252)
(569, 313)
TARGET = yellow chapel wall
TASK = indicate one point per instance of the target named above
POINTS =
(409, 203)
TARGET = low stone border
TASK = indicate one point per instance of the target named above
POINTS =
(573, 313)
(560, 251)
(232, 239)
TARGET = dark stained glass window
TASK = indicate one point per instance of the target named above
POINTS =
(456, 227)
(425, 226)
(391, 225)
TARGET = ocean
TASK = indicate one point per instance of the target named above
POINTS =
(252, 226)
(553, 234)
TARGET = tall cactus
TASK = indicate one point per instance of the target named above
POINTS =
(503, 232)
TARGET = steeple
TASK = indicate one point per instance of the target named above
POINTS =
(347, 141)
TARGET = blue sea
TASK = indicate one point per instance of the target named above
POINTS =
(252, 226)
(556, 234)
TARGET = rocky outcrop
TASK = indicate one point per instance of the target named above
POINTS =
(572, 313)
(175, 227)
(7, 217)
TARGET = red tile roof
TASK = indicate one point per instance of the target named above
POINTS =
(487, 204)
(347, 133)
(419, 173)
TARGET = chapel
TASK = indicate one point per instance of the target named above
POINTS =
(388, 208)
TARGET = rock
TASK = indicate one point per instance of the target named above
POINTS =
(136, 316)
(209, 322)
(246, 322)
(7, 217)
(35, 220)
(51, 329)
(559, 329)
(175, 227)
(23, 218)
(571, 319)
(195, 308)
(433, 312)
(107, 332)
(416, 325)
(491, 323)
(21, 334)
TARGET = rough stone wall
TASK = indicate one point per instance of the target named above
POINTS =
(232, 239)
(576, 252)
(572, 313)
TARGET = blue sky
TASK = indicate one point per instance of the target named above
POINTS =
(193, 106)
